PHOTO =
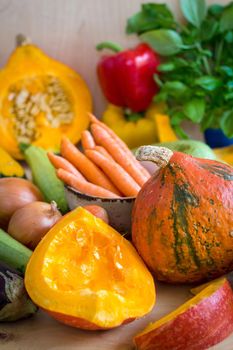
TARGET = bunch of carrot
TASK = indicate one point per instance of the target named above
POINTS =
(106, 168)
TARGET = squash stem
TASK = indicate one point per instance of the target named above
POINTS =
(158, 155)
(22, 40)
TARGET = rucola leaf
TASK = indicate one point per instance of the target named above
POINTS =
(194, 11)
(166, 42)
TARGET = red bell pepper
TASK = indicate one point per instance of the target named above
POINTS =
(126, 77)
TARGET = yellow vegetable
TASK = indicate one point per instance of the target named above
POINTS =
(136, 130)
(164, 131)
(225, 154)
(8, 166)
(41, 99)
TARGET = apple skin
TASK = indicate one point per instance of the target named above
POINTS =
(198, 328)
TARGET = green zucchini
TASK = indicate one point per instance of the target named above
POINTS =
(13, 253)
(45, 178)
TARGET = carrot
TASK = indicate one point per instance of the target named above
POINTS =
(98, 211)
(103, 138)
(60, 162)
(84, 186)
(89, 170)
(121, 144)
(121, 179)
(87, 140)
(103, 151)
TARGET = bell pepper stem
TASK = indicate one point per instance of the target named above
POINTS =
(132, 116)
(109, 45)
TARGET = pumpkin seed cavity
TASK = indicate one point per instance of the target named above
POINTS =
(38, 101)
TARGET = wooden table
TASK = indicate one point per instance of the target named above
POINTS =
(43, 333)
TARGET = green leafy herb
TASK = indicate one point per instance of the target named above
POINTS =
(226, 20)
(151, 16)
(196, 74)
(194, 11)
(164, 41)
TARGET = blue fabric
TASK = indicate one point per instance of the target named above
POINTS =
(216, 138)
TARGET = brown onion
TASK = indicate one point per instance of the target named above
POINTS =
(30, 223)
(14, 194)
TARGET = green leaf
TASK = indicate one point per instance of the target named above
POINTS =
(175, 88)
(230, 84)
(160, 97)
(228, 96)
(229, 37)
(166, 67)
(166, 42)
(208, 121)
(194, 11)
(215, 9)
(226, 70)
(209, 28)
(226, 20)
(177, 117)
(208, 82)
(226, 123)
(151, 16)
(179, 131)
(195, 109)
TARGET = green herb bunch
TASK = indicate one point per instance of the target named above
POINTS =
(196, 75)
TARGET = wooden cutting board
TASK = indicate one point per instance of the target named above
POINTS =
(43, 333)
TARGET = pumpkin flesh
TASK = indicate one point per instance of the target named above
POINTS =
(87, 275)
(50, 86)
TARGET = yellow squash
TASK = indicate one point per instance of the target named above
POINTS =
(135, 130)
(41, 99)
(9, 167)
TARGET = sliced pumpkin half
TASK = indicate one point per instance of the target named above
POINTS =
(86, 275)
(41, 99)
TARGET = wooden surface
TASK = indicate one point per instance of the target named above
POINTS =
(43, 333)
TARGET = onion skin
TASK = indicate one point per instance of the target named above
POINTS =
(29, 224)
(14, 194)
(98, 211)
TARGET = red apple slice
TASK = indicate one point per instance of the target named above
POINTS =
(201, 322)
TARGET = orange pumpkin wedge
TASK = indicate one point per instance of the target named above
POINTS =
(41, 100)
(198, 324)
(86, 275)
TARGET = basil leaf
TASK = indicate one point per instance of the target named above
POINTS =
(209, 28)
(208, 121)
(230, 84)
(229, 37)
(215, 9)
(151, 16)
(208, 82)
(180, 132)
(228, 71)
(166, 42)
(194, 11)
(226, 20)
(226, 123)
(195, 109)
(175, 88)
(177, 117)
(166, 67)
